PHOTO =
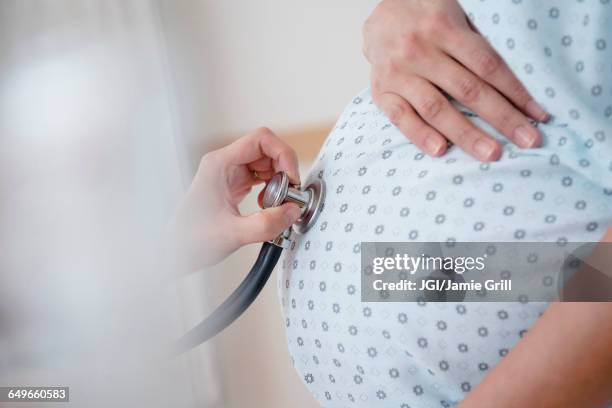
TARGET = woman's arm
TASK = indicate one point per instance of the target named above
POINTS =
(565, 360)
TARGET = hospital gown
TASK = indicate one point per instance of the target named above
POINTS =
(380, 187)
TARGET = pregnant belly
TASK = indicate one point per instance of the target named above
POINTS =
(380, 187)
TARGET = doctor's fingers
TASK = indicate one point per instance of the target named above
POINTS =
(263, 169)
(266, 224)
(263, 143)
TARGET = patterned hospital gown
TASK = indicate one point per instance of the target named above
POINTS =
(380, 187)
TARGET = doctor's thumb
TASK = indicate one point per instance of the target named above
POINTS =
(269, 223)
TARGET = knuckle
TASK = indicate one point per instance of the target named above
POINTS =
(290, 154)
(383, 73)
(390, 69)
(464, 135)
(267, 228)
(209, 158)
(430, 108)
(376, 83)
(369, 26)
(420, 130)
(365, 51)
(410, 46)
(284, 151)
(469, 89)
(379, 100)
(263, 131)
(487, 63)
(518, 93)
(395, 112)
(505, 120)
(365, 33)
(438, 23)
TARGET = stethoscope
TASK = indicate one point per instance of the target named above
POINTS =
(277, 192)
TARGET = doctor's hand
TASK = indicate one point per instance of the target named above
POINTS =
(421, 50)
(208, 225)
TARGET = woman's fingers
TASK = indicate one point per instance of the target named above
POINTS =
(475, 53)
(260, 144)
(404, 40)
(401, 114)
(438, 112)
(480, 97)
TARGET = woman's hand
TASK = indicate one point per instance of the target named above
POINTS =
(421, 48)
(208, 225)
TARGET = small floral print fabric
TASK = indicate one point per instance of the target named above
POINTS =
(380, 187)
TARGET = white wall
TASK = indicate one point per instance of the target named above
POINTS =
(270, 62)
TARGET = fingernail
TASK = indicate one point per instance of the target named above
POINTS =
(292, 213)
(526, 136)
(433, 146)
(536, 111)
(485, 148)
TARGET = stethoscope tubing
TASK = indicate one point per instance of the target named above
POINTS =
(231, 309)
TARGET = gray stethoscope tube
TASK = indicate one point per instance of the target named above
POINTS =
(278, 191)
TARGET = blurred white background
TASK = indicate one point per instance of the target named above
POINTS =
(105, 109)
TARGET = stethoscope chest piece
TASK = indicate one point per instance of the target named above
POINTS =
(310, 199)
(278, 191)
